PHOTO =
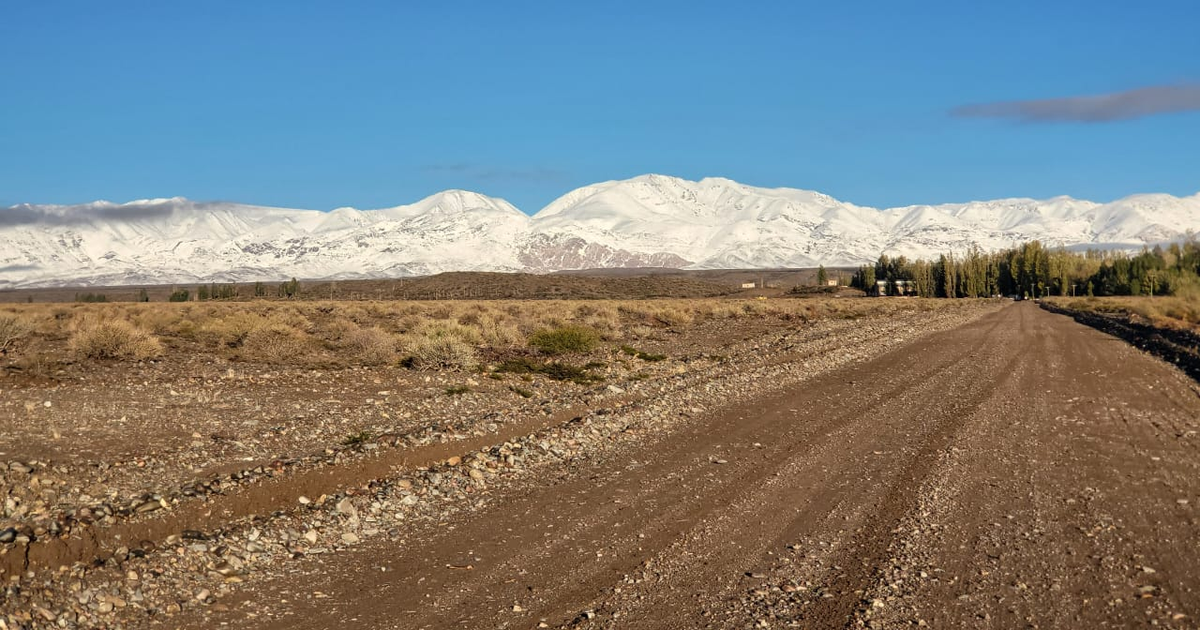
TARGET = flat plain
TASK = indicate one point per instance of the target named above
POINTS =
(682, 463)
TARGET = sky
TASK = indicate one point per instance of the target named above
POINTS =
(376, 104)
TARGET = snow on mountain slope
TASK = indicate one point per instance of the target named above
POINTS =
(651, 220)
(715, 222)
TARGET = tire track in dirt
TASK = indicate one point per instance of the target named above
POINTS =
(264, 497)
(633, 514)
(894, 470)
(1049, 510)
(664, 536)
(279, 492)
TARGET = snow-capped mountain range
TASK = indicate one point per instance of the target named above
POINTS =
(647, 221)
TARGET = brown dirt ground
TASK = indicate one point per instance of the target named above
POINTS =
(1018, 471)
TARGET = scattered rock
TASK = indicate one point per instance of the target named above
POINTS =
(147, 506)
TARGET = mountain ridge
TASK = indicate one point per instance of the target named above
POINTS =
(646, 221)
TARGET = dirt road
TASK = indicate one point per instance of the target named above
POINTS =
(1018, 471)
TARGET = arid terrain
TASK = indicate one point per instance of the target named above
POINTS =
(668, 463)
(615, 283)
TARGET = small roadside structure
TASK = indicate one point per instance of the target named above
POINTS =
(897, 288)
(749, 285)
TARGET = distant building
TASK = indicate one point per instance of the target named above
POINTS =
(749, 285)
(831, 283)
(898, 287)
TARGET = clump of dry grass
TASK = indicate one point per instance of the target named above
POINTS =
(498, 332)
(13, 329)
(675, 316)
(1168, 311)
(442, 353)
(445, 328)
(565, 340)
(370, 346)
(113, 339)
(277, 343)
(232, 330)
(442, 344)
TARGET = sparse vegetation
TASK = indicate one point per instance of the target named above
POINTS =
(1162, 312)
(276, 343)
(565, 340)
(442, 353)
(454, 336)
(554, 370)
(457, 390)
(645, 356)
(369, 346)
(12, 330)
(521, 391)
(113, 339)
(356, 440)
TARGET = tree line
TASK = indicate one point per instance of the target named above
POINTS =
(1034, 270)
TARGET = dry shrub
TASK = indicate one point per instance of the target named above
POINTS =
(565, 339)
(277, 343)
(440, 311)
(586, 310)
(370, 346)
(113, 339)
(674, 316)
(472, 317)
(338, 330)
(605, 319)
(499, 333)
(727, 310)
(232, 331)
(159, 319)
(443, 344)
(13, 329)
(442, 353)
(641, 332)
(755, 307)
(445, 328)
(358, 314)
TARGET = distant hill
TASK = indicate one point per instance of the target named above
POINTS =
(648, 221)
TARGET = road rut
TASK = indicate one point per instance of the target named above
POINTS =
(1020, 470)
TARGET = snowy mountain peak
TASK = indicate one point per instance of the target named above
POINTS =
(649, 220)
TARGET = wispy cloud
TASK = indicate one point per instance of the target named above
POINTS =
(29, 214)
(1098, 108)
(482, 172)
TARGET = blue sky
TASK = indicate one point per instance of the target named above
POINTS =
(372, 104)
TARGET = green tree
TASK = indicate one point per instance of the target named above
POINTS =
(290, 289)
(822, 276)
